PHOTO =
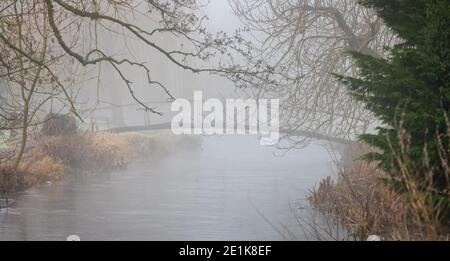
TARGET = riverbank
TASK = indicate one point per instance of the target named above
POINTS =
(360, 202)
(52, 158)
(227, 190)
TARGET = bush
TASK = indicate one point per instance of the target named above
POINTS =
(90, 152)
(87, 151)
(357, 200)
(160, 144)
(59, 125)
(360, 200)
(33, 170)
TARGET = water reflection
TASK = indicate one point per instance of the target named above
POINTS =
(225, 191)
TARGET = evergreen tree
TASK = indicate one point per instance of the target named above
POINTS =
(410, 88)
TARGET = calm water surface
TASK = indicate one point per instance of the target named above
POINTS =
(231, 189)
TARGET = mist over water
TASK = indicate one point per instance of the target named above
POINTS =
(229, 189)
(225, 120)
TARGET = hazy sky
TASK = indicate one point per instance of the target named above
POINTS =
(221, 16)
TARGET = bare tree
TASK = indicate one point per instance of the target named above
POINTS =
(25, 88)
(41, 41)
(179, 18)
(305, 41)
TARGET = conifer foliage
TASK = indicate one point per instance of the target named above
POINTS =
(409, 92)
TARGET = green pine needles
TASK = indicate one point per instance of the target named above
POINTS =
(409, 92)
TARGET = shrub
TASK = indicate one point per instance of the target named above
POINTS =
(33, 170)
(360, 200)
(59, 125)
(87, 151)
(90, 152)
(357, 200)
(160, 144)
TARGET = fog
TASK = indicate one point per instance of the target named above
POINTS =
(224, 187)
(104, 88)
(230, 189)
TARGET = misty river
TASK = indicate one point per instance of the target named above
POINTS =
(230, 189)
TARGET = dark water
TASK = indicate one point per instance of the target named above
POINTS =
(232, 189)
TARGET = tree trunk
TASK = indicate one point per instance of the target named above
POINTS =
(23, 142)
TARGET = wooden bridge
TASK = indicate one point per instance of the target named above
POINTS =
(167, 126)
(8, 153)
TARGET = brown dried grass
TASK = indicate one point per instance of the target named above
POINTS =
(33, 170)
(52, 156)
(87, 151)
(359, 201)
(364, 205)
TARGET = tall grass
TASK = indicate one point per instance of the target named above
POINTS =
(87, 151)
(358, 200)
(32, 170)
(361, 201)
(53, 156)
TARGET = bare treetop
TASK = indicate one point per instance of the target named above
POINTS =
(144, 20)
(306, 41)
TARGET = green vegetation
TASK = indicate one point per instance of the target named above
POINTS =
(410, 93)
